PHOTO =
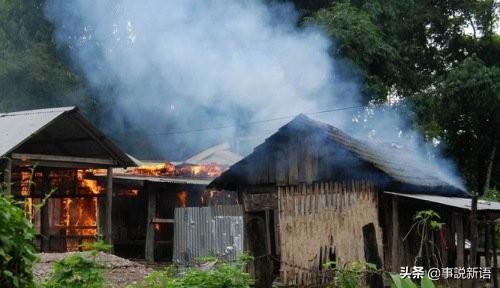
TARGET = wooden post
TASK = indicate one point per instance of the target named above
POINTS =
(44, 214)
(487, 255)
(494, 250)
(396, 266)
(268, 232)
(473, 233)
(7, 175)
(459, 229)
(108, 232)
(101, 217)
(371, 255)
(150, 232)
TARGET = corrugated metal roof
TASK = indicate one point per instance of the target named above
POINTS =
(17, 127)
(62, 131)
(158, 179)
(220, 154)
(457, 202)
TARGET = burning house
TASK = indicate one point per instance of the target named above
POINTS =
(47, 153)
(146, 198)
(313, 194)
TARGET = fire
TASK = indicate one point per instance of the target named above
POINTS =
(205, 170)
(130, 192)
(88, 184)
(65, 219)
(168, 169)
(157, 227)
(214, 197)
(25, 183)
(182, 198)
(79, 214)
(162, 169)
(74, 213)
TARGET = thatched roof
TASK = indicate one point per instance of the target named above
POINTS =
(390, 166)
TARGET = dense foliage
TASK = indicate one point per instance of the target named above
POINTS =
(32, 72)
(441, 57)
(212, 274)
(17, 254)
(76, 271)
(79, 270)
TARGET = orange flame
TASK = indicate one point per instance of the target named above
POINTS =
(162, 169)
(182, 198)
(168, 169)
(25, 183)
(205, 170)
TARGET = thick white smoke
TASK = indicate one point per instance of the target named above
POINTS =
(170, 65)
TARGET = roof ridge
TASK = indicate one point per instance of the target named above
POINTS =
(38, 111)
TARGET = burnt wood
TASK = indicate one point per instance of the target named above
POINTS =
(150, 233)
(371, 255)
(260, 202)
(44, 214)
(108, 236)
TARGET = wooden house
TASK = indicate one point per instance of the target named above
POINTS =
(313, 194)
(47, 152)
(147, 196)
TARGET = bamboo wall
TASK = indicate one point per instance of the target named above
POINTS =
(321, 221)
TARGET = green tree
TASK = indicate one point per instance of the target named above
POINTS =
(442, 56)
(32, 72)
(465, 107)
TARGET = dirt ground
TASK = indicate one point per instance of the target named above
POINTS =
(120, 271)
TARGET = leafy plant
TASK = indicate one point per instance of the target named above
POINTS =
(350, 274)
(426, 222)
(17, 253)
(79, 270)
(221, 274)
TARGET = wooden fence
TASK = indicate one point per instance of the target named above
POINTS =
(323, 222)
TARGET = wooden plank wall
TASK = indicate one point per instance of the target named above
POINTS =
(319, 220)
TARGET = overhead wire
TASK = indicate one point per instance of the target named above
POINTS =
(249, 123)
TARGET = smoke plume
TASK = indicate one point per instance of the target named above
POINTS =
(172, 69)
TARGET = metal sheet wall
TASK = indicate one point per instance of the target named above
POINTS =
(208, 231)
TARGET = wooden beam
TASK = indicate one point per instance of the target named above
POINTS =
(459, 229)
(162, 221)
(109, 207)
(150, 230)
(63, 165)
(396, 266)
(260, 202)
(55, 195)
(58, 158)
